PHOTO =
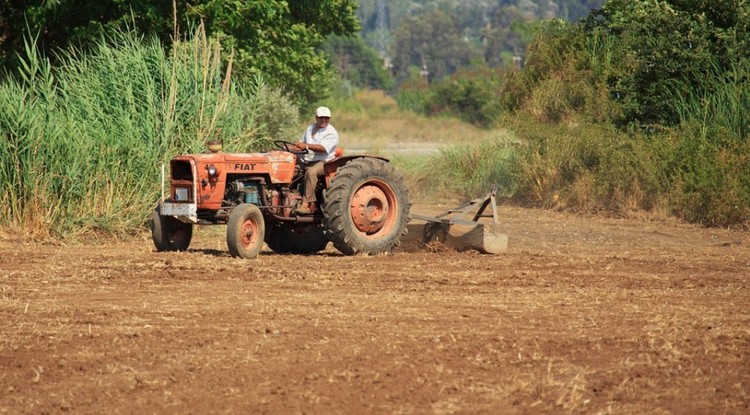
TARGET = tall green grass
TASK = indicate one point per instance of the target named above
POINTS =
(711, 164)
(463, 171)
(675, 171)
(564, 105)
(723, 101)
(83, 143)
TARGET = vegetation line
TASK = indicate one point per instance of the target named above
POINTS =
(86, 140)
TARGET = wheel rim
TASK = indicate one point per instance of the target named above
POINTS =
(374, 207)
(249, 234)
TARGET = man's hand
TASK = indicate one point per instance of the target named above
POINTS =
(302, 146)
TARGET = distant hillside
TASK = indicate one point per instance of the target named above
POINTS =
(381, 17)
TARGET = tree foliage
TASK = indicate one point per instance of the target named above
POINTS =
(674, 76)
(275, 38)
(280, 39)
(63, 23)
(432, 42)
(656, 50)
(491, 31)
(501, 37)
(356, 62)
(469, 94)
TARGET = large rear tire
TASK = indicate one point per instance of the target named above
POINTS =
(299, 240)
(245, 231)
(168, 233)
(366, 207)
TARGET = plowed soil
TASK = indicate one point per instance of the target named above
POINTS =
(583, 314)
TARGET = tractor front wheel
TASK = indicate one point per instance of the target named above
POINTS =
(245, 231)
(168, 233)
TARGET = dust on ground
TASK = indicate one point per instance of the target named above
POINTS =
(581, 315)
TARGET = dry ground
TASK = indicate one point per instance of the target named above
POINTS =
(582, 315)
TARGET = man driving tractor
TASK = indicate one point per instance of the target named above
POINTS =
(261, 200)
(317, 145)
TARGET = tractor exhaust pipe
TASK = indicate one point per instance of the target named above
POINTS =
(297, 219)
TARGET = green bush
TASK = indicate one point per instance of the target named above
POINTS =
(677, 170)
(414, 95)
(670, 76)
(471, 95)
(631, 174)
(586, 167)
(652, 51)
(551, 159)
(357, 63)
(464, 171)
(711, 176)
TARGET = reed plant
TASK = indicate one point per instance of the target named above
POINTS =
(709, 167)
(723, 100)
(83, 143)
(711, 163)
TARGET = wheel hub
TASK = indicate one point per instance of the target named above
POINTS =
(369, 209)
(247, 233)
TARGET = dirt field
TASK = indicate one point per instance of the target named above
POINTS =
(582, 315)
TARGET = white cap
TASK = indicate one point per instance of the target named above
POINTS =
(323, 112)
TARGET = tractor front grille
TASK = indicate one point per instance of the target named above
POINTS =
(182, 181)
(181, 170)
(181, 194)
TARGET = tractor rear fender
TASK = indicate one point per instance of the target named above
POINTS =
(333, 165)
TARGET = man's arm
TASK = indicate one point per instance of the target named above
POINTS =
(317, 148)
(331, 139)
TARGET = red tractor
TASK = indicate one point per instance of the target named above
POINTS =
(363, 204)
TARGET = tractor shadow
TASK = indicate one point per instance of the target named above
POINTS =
(265, 252)
(210, 252)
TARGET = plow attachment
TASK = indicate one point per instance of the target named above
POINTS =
(453, 230)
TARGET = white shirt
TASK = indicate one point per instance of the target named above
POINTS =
(328, 137)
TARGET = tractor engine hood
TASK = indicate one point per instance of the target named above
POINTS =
(274, 166)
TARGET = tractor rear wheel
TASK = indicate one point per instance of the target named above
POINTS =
(304, 239)
(245, 231)
(366, 207)
(168, 233)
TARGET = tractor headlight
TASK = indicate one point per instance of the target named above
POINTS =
(212, 171)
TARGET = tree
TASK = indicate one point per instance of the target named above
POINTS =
(657, 49)
(357, 63)
(276, 38)
(433, 42)
(500, 38)
(575, 10)
(281, 39)
(63, 23)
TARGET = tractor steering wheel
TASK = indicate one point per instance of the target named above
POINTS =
(287, 146)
